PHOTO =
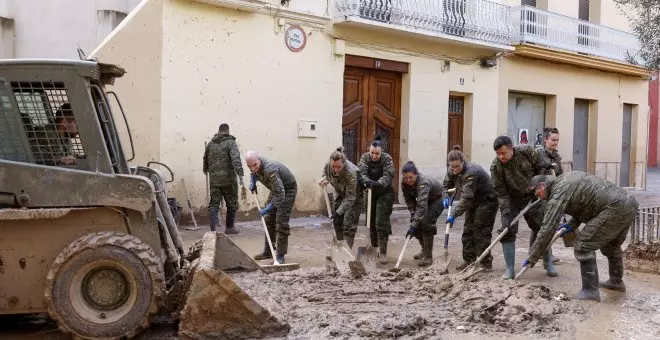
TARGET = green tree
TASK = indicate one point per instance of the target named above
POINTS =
(644, 16)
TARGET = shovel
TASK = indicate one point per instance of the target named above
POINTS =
(363, 249)
(270, 243)
(554, 238)
(497, 239)
(447, 257)
(396, 268)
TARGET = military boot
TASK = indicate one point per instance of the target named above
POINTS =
(463, 264)
(280, 259)
(589, 272)
(615, 266)
(382, 244)
(428, 251)
(266, 254)
(231, 219)
(421, 253)
(547, 264)
(213, 219)
(509, 250)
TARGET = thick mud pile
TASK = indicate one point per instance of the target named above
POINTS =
(642, 258)
(643, 251)
(323, 303)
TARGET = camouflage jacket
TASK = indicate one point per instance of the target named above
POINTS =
(222, 160)
(511, 179)
(381, 170)
(277, 178)
(474, 185)
(346, 183)
(418, 196)
(551, 157)
(48, 146)
(578, 194)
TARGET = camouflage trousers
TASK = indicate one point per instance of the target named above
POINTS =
(381, 210)
(533, 217)
(347, 225)
(607, 231)
(230, 194)
(277, 221)
(428, 225)
(478, 230)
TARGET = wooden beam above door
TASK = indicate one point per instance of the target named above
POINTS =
(376, 64)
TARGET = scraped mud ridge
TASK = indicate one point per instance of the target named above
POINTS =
(323, 303)
(642, 257)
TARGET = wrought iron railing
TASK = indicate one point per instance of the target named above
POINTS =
(554, 30)
(475, 19)
(646, 227)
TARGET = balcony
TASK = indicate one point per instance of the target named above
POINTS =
(553, 30)
(479, 22)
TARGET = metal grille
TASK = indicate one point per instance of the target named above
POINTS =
(351, 140)
(456, 104)
(11, 141)
(49, 122)
(386, 135)
(646, 228)
(454, 17)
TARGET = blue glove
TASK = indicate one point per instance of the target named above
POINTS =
(451, 219)
(568, 227)
(266, 209)
(411, 231)
(445, 203)
(253, 183)
(527, 264)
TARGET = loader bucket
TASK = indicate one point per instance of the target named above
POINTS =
(215, 306)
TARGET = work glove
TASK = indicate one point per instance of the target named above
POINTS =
(240, 181)
(526, 263)
(445, 203)
(411, 231)
(335, 217)
(450, 220)
(253, 183)
(568, 227)
(265, 210)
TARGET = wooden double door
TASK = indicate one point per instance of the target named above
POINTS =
(372, 107)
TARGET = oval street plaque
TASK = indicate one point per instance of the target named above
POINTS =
(295, 38)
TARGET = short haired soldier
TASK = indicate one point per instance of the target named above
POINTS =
(511, 172)
(423, 196)
(551, 155)
(607, 210)
(51, 144)
(277, 210)
(377, 172)
(344, 177)
(478, 202)
(222, 161)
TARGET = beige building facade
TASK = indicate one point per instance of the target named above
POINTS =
(296, 81)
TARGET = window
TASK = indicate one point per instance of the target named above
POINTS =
(531, 3)
(583, 10)
(49, 122)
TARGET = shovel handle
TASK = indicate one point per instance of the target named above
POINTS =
(368, 208)
(447, 228)
(554, 238)
(398, 262)
(327, 201)
(263, 222)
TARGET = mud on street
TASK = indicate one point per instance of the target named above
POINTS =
(320, 302)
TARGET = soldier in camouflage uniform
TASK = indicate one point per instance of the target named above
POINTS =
(281, 183)
(345, 179)
(222, 161)
(51, 144)
(423, 195)
(607, 210)
(377, 172)
(511, 172)
(550, 155)
(477, 200)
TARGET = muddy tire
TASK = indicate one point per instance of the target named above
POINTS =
(104, 285)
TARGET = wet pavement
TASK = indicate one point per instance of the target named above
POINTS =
(634, 315)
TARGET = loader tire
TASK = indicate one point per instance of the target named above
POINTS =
(105, 285)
